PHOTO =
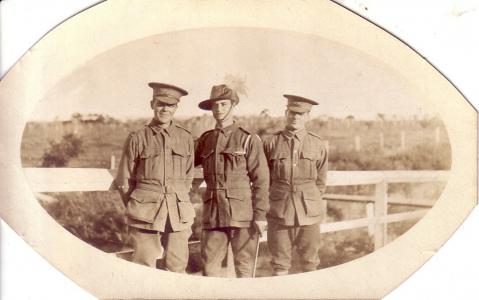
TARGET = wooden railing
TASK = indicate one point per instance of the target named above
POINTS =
(377, 216)
(376, 219)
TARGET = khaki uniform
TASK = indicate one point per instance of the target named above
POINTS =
(237, 179)
(298, 166)
(155, 175)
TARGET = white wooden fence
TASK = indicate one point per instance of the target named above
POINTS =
(376, 220)
(377, 216)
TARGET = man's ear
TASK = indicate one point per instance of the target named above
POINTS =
(152, 102)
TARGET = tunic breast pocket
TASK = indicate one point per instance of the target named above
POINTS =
(179, 157)
(235, 160)
(307, 164)
(278, 164)
(150, 162)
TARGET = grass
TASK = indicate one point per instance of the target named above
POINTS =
(98, 217)
(101, 141)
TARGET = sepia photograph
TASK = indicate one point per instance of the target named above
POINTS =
(367, 151)
(238, 152)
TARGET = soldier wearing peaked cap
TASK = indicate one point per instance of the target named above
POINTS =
(154, 178)
(298, 163)
(236, 199)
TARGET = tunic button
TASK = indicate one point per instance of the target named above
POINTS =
(294, 165)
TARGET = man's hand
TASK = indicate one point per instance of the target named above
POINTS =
(260, 226)
(124, 194)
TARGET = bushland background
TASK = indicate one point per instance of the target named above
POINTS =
(385, 143)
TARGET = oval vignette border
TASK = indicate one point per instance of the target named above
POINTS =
(73, 257)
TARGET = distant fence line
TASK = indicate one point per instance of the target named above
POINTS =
(333, 124)
(402, 144)
(402, 140)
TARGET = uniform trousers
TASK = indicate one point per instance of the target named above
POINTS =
(150, 244)
(214, 246)
(282, 239)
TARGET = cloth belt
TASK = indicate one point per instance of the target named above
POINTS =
(225, 186)
(293, 188)
(164, 189)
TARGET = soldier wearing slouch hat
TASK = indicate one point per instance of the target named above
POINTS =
(237, 180)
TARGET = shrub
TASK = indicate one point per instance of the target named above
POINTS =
(60, 153)
(425, 157)
(341, 247)
(97, 218)
(417, 157)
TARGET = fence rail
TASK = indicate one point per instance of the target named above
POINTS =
(90, 179)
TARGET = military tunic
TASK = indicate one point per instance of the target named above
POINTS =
(236, 175)
(298, 164)
(155, 173)
(237, 179)
(298, 168)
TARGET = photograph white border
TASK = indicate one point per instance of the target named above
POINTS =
(3, 124)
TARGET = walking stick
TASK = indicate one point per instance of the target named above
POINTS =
(256, 256)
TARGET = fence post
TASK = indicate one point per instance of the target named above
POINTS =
(357, 143)
(438, 136)
(380, 210)
(370, 215)
(112, 162)
(381, 140)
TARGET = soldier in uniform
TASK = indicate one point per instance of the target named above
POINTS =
(298, 164)
(237, 179)
(154, 178)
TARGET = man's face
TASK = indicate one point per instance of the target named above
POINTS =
(296, 120)
(163, 112)
(221, 108)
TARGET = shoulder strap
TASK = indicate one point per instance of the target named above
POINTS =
(315, 135)
(244, 130)
(205, 133)
(179, 126)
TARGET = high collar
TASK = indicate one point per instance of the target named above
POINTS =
(299, 135)
(155, 126)
(228, 128)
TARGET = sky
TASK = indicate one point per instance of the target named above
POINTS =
(271, 63)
